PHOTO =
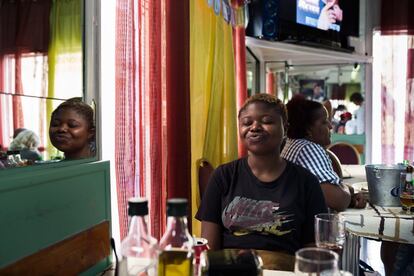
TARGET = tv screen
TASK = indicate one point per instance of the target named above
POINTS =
(315, 22)
(322, 14)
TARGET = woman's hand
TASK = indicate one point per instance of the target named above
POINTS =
(359, 201)
(327, 16)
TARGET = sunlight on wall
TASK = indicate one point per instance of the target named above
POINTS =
(108, 12)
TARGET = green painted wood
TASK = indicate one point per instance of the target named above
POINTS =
(42, 205)
(354, 139)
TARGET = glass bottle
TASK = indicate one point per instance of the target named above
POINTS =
(139, 248)
(176, 256)
(409, 176)
(11, 161)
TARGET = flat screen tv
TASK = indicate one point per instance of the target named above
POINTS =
(326, 23)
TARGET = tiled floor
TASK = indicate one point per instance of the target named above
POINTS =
(370, 253)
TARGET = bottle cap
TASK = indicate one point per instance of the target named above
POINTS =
(177, 207)
(137, 206)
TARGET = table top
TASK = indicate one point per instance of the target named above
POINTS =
(267, 272)
(381, 223)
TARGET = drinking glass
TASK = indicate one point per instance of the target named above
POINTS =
(406, 194)
(313, 261)
(330, 232)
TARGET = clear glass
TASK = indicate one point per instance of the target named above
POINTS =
(176, 256)
(330, 232)
(138, 249)
(406, 193)
(314, 261)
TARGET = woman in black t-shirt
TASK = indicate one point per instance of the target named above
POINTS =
(261, 201)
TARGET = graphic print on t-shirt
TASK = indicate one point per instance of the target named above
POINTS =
(244, 215)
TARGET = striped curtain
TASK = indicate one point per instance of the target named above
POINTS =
(409, 104)
(152, 91)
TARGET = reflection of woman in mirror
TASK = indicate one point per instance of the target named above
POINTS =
(72, 129)
(27, 142)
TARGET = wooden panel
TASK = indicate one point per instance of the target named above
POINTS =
(43, 205)
(68, 257)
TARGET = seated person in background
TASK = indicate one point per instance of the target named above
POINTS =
(308, 134)
(261, 201)
(336, 118)
(345, 118)
(72, 129)
(359, 114)
(27, 142)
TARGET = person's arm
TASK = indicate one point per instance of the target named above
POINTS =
(357, 199)
(212, 232)
(337, 197)
(209, 212)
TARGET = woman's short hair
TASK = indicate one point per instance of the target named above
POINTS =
(270, 101)
(356, 98)
(301, 114)
(80, 107)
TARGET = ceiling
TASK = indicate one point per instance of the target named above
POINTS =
(277, 54)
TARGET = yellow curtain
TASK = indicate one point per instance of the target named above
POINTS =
(213, 94)
(64, 55)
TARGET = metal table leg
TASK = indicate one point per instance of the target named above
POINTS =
(350, 256)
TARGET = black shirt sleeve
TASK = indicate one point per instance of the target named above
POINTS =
(315, 204)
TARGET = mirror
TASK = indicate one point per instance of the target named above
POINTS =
(252, 73)
(323, 82)
(41, 66)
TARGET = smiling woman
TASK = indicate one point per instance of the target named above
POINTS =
(72, 129)
(261, 201)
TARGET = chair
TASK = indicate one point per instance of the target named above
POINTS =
(336, 164)
(204, 171)
(346, 153)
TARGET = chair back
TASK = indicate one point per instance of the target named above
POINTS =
(336, 164)
(346, 153)
(205, 169)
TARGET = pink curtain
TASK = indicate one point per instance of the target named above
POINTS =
(409, 105)
(125, 127)
(152, 121)
(1, 102)
(397, 22)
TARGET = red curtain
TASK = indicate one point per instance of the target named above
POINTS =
(396, 17)
(178, 98)
(24, 25)
(239, 37)
(152, 121)
(24, 28)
